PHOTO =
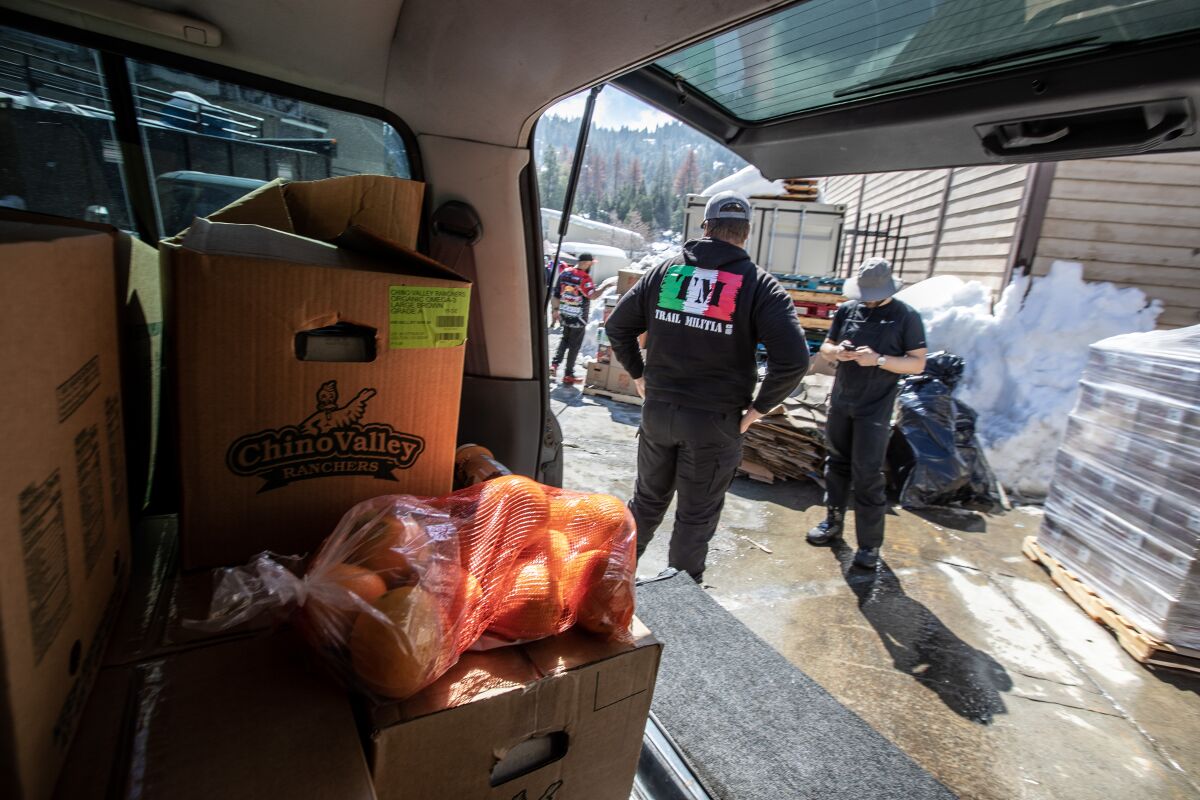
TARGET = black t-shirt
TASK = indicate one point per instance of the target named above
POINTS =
(890, 330)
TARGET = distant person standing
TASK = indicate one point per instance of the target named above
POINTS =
(570, 306)
(706, 311)
(873, 340)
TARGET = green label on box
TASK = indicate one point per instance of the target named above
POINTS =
(427, 316)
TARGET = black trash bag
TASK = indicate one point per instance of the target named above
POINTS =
(981, 482)
(934, 454)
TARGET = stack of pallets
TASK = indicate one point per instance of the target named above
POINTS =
(805, 190)
(1123, 514)
(817, 298)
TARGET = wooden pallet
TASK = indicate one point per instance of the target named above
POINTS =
(815, 323)
(806, 296)
(808, 197)
(620, 398)
(1144, 648)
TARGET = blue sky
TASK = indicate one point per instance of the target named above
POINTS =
(614, 109)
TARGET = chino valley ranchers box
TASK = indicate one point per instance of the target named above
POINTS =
(64, 502)
(309, 375)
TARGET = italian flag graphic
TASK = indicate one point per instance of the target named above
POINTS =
(709, 293)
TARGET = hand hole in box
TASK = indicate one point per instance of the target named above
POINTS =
(529, 755)
(342, 341)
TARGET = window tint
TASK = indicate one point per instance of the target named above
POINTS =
(208, 141)
(822, 52)
(58, 151)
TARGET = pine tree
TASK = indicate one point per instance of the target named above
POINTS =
(552, 182)
(687, 179)
(635, 223)
(636, 179)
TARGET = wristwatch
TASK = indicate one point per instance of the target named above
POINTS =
(879, 362)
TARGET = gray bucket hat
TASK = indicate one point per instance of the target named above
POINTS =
(727, 205)
(873, 282)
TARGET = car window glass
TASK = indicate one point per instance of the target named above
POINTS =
(209, 141)
(823, 52)
(58, 150)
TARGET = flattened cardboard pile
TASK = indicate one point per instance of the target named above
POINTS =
(789, 443)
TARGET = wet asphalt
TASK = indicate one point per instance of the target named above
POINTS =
(957, 649)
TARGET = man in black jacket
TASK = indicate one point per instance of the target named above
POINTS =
(873, 341)
(704, 313)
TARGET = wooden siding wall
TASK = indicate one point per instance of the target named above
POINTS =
(978, 217)
(1132, 221)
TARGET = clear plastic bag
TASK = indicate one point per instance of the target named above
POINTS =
(404, 585)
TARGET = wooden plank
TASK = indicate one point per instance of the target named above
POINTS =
(1161, 234)
(965, 176)
(1120, 211)
(997, 199)
(1138, 275)
(1150, 255)
(1144, 648)
(1130, 171)
(988, 249)
(1176, 317)
(806, 296)
(1148, 194)
(1000, 233)
(987, 185)
(1169, 157)
(1001, 217)
(815, 323)
(620, 398)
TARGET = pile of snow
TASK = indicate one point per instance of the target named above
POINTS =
(654, 259)
(1025, 359)
(749, 181)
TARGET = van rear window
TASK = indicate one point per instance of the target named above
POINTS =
(206, 141)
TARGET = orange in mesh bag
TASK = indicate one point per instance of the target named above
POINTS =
(405, 585)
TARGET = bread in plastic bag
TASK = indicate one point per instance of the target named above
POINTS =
(404, 585)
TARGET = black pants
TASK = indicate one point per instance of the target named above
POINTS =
(572, 339)
(691, 452)
(857, 446)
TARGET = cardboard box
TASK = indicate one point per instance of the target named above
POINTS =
(619, 381)
(626, 278)
(280, 434)
(597, 375)
(139, 299)
(239, 720)
(64, 504)
(153, 619)
(562, 717)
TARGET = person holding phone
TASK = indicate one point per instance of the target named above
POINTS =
(874, 339)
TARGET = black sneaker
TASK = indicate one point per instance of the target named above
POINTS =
(829, 529)
(866, 557)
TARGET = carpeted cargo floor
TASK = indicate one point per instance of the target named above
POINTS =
(750, 724)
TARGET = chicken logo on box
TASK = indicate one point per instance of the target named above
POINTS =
(332, 442)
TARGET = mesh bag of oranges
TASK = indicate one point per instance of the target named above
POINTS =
(405, 585)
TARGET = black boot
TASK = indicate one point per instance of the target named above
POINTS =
(866, 557)
(829, 529)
